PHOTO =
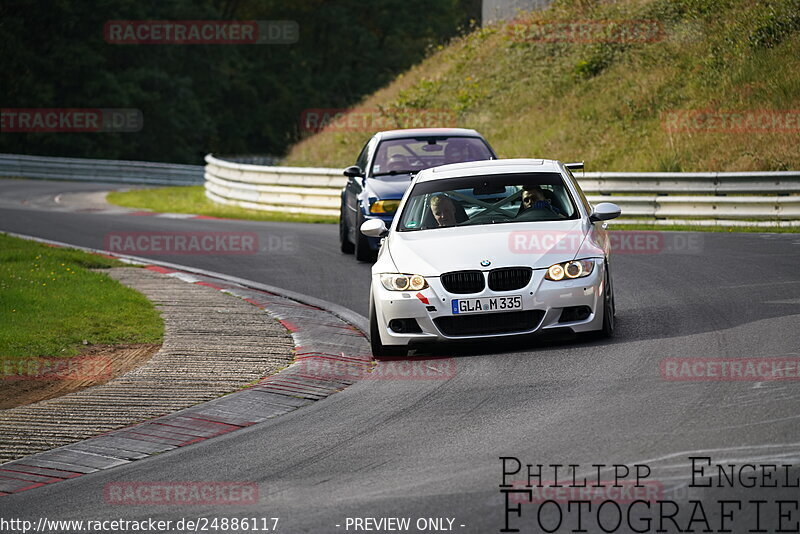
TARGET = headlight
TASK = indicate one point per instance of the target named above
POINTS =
(384, 206)
(570, 270)
(555, 272)
(403, 282)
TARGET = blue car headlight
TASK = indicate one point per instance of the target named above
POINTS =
(384, 206)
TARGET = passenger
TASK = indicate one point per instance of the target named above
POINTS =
(444, 210)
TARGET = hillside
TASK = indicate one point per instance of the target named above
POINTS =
(647, 85)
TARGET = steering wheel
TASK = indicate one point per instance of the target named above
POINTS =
(537, 214)
(490, 218)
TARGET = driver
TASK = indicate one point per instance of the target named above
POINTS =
(397, 162)
(533, 198)
(444, 211)
(455, 152)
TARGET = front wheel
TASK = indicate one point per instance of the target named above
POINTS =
(379, 350)
(345, 245)
(609, 308)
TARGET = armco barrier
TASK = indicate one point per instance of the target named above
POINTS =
(100, 170)
(286, 189)
(703, 198)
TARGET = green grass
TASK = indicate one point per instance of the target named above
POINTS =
(606, 102)
(192, 199)
(50, 302)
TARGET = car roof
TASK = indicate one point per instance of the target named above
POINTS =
(425, 132)
(492, 166)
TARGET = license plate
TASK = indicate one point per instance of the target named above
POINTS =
(486, 304)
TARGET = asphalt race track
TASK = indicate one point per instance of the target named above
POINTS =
(431, 448)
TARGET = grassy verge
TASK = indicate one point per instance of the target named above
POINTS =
(192, 199)
(604, 100)
(51, 302)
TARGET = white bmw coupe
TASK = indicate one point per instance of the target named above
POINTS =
(490, 249)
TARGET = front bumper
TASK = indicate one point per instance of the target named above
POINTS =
(543, 302)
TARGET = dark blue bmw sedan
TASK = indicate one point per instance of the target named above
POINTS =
(383, 172)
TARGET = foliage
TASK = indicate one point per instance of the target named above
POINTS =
(195, 99)
(604, 99)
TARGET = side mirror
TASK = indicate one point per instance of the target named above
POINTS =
(374, 228)
(353, 171)
(605, 211)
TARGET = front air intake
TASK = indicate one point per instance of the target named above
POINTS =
(489, 323)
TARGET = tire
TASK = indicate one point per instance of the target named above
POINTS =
(362, 250)
(345, 245)
(379, 350)
(609, 308)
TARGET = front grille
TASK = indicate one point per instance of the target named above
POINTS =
(463, 282)
(489, 323)
(509, 278)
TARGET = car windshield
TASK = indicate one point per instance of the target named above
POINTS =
(478, 200)
(410, 155)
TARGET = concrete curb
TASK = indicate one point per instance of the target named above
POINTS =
(331, 354)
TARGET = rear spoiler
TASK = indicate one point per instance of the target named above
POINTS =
(574, 166)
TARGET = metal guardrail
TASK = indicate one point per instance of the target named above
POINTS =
(100, 170)
(724, 198)
(706, 183)
(287, 189)
(705, 198)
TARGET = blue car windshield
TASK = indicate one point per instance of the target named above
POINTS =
(478, 200)
(410, 155)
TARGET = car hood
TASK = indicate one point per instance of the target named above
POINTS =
(538, 245)
(388, 187)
